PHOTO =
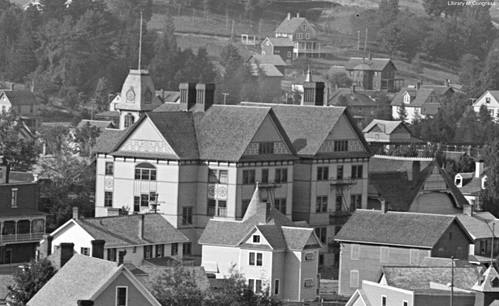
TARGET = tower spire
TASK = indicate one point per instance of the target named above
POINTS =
(140, 41)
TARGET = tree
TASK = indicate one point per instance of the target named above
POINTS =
(101, 94)
(29, 280)
(489, 78)
(402, 113)
(339, 79)
(439, 7)
(490, 196)
(165, 64)
(469, 75)
(20, 152)
(53, 9)
(55, 139)
(86, 137)
(177, 287)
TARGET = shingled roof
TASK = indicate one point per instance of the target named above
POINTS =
(20, 97)
(271, 59)
(374, 64)
(419, 98)
(289, 26)
(280, 41)
(395, 228)
(82, 278)
(278, 230)
(108, 139)
(124, 230)
(353, 98)
(386, 126)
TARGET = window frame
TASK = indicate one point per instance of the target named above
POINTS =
(117, 295)
(249, 177)
(321, 204)
(109, 168)
(161, 248)
(281, 205)
(355, 251)
(85, 251)
(174, 249)
(323, 173)
(276, 286)
(340, 145)
(14, 192)
(256, 238)
(108, 199)
(340, 172)
(187, 215)
(281, 175)
(265, 148)
(357, 171)
(352, 273)
(186, 248)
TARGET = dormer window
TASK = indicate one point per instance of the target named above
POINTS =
(304, 26)
(487, 100)
(256, 238)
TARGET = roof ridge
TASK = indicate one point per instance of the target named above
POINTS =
(108, 232)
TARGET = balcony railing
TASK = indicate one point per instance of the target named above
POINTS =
(222, 212)
(31, 237)
(341, 182)
(338, 217)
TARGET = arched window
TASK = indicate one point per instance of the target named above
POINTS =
(129, 120)
(145, 171)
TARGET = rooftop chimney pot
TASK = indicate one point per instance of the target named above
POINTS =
(384, 206)
(75, 213)
(67, 250)
(98, 248)
(141, 226)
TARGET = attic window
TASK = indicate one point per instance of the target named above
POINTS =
(304, 26)
(495, 282)
(256, 238)
(309, 256)
(487, 100)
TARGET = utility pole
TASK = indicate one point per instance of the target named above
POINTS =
(140, 40)
(358, 40)
(232, 31)
(365, 41)
(492, 247)
(452, 281)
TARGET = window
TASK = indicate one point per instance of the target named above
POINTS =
(309, 256)
(355, 201)
(121, 296)
(450, 236)
(289, 54)
(108, 199)
(258, 257)
(145, 172)
(212, 206)
(276, 287)
(160, 250)
(304, 26)
(217, 176)
(13, 197)
(339, 202)
(256, 238)
(322, 173)
(85, 251)
(111, 254)
(383, 300)
(281, 175)
(187, 248)
(309, 283)
(339, 172)
(109, 168)
(129, 120)
(147, 251)
(357, 171)
(384, 254)
(280, 205)
(266, 148)
(307, 36)
(144, 200)
(258, 285)
(340, 145)
(174, 249)
(354, 278)
(321, 204)
(251, 284)
(405, 303)
(265, 176)
(299, 35)
(487, 100)
(136, 204)
(321, 233)
(355, 255)
(248, 177)
(186, 215)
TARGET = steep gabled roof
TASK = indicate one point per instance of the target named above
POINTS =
(268, 70)
(108, 139)
(269, 59)
(386, 126)
(353, 98)
(475, 227)
(309, 126)
(124, 230)
(289, 26)
(395, 228)
(419, 97)
(440, 90)
(280, 41)
(374, 64)
(20, 97)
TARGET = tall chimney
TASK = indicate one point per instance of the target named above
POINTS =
(67, 250)
(479, 165)
(313, 93)
(85, 303)
(297, 15)
(98, 248)
(418, 85)
(447, 82)
(205, 97)
(46, 248)
(416, 169)
(384, 206)
(187, 96)
(121, 257)
(468, 209)
(75, 213)
(289, 16)
(141, 226)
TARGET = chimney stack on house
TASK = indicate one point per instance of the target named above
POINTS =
(468, 210)
(415, 170)
(46, 247)
(205, 97)
(4, 170)
(141, 226)
(479, 165)
(418, 85)
(187, 96)
(313, 92)
(297, 15)
(447, 82)
(75, 213)
(121, 257)
(289, 16)
(384, 206)
(98, 248)
(67, 250)
(85, 303)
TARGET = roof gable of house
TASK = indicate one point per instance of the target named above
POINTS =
(374, 64)
(493, 95)
(395, 228)
(488, 282)
(269, 59)
(383, 126)
(279, 42)
(353, 98)
(419, 97)
(108, 140)
(19, 97)
(289, 26)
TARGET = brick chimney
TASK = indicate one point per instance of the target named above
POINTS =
(121, 257)
(370, 56)
(85, 303)
(479, 166)
(313, 93)
(418, 85)
(297, 15)
(205, 97)
(75, 213)
(4, 170)
(384, 206)
(67, 250)
(98, 248)
(187, 96)
(46, 246)
(141, 226)
(289, 16)
(468, 210)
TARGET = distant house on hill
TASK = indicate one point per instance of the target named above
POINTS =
(264, 61)
(24, 104)
(416, 101)
(384, 135)
(281, 46)
(302, 34)
(373, 73)
(358, 104)
(491, 101)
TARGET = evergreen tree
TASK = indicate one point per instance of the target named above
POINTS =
(28, 281)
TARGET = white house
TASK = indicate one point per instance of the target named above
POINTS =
(491, 100)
